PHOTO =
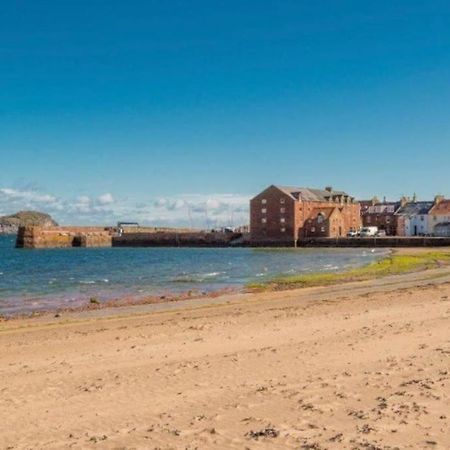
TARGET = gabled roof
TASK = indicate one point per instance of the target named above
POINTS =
(308, 194)
(326, 212)
(415, 209)
(441, 209)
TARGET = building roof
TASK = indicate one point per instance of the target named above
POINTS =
(309, 194)
(415, 209)
(442, 225)
(382, 208)
(441, 209)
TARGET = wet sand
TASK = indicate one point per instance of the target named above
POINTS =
(359, 366)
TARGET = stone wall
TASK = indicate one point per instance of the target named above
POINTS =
(377, 242)
(175, 239)
(63, 237)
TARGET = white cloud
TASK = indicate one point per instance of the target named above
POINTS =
(106, 199)
(30, 196)
(196, 210)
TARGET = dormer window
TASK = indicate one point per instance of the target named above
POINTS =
(282, 200)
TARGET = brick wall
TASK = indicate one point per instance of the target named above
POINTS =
(277, 206)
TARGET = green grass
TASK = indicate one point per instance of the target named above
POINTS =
(392, 265)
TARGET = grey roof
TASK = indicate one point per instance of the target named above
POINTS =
(308, 194)
(415, 209)
(382, 208)
(442, 225)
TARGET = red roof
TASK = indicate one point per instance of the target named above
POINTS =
(441, 209)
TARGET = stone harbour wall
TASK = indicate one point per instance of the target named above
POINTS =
(63, 237)
(175, 239)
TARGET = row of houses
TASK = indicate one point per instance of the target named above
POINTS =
(408, 217)
(283, 215)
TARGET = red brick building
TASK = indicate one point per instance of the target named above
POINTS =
(282, 215)
(382, 215)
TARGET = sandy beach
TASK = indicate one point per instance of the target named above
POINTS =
(359, 366)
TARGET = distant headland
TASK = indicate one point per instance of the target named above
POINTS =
(10, 224)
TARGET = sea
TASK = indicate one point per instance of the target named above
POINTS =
(51, 279)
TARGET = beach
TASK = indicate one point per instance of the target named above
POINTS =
(363, 365)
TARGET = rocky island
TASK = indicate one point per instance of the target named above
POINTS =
(10, 224)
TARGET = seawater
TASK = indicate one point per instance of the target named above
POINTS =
(33, 280)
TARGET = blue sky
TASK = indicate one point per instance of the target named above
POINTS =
(179, 111)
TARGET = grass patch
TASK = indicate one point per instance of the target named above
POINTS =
(391, 265)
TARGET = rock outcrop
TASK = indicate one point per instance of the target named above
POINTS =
(11, 224)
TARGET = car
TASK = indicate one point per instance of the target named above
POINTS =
(352, 233)
(381, 233)
(369, 231)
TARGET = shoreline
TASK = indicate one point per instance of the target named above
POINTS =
(129, 309)
(134, 301)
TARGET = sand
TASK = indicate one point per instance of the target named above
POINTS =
(358, 366)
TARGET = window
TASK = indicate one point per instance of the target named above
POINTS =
(263, 220)
(388, 219)
(282, 220)
(282, 200)
(322, 229)
(283, 230)
(282, 210)
(264, 201)
(263, 211)
(313, 229)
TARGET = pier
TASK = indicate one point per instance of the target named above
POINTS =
(68, 237)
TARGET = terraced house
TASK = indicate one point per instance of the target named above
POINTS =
(413, 218)
(382, 215)
(439, 220)
(283, 215)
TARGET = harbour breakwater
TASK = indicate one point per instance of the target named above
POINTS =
(63, 237)
(67, 237)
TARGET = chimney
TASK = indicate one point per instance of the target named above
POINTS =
(438, 199)
(404, 200)
(329, 188)
(414, 199)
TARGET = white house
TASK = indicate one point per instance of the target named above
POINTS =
(413, 219)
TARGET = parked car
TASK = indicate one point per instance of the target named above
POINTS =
(352, 233)
(369, 231)
(381, 233)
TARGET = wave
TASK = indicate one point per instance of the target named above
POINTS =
(196, 277)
